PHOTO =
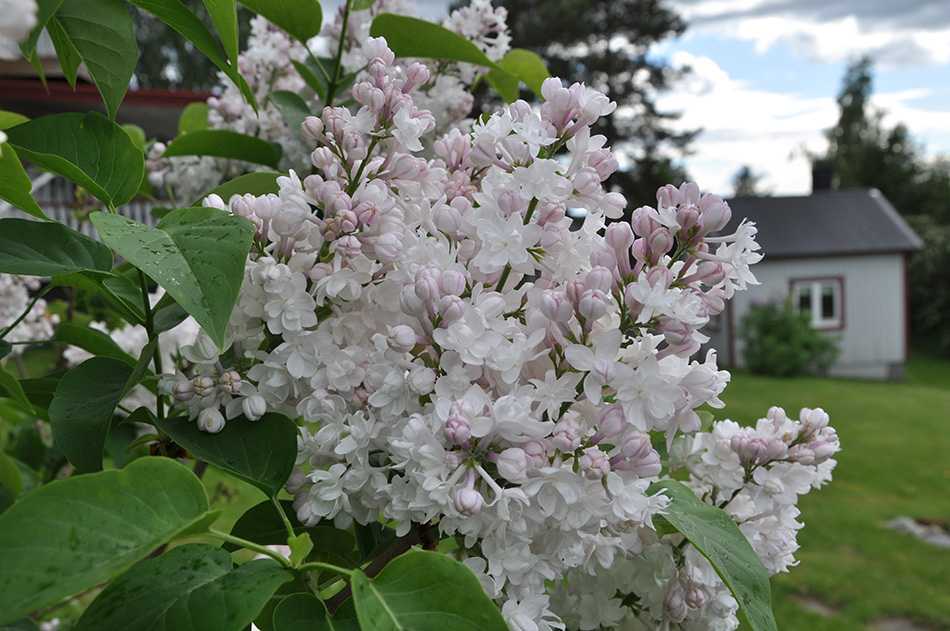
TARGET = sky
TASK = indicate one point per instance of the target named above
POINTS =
(765, 74)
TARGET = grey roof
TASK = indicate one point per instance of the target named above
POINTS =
(826, 223)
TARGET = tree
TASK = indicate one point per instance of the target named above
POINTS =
(864, 152)
(747, 183)
(606, 44)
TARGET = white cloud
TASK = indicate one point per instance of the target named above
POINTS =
(769, 130)
(894, 32)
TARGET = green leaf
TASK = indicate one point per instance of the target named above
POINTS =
(412, 37)
(196, 254)
(28, 447)
(300, 546)
(72, 534)
(91, 340)
(120, 438)
(192, 587)
(256, 183)
(137, 134)
(82, 408)
(302, 612)
(222, 143)
(11, 482)
(176, 15)
(42, 248)
(302, 19)
(10, 387)
(424, 591)
(5, 348)
(44, 11)
(122, 295)
(15, 184)
(361, 5)
(89, 149)
(11, 119)
(292, 108)
(193, 118)
(313, 77)
(262, 524)
(715, 535)
(261, 452)
(518, 65)
(223, 15)
(69, 60)
(103, 35)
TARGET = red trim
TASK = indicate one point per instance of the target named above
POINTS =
(59, 91)
(838, 279)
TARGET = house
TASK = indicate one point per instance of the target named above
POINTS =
(841, 257)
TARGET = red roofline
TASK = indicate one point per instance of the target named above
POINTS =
(59, 90)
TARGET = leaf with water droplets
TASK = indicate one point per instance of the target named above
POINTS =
(75, 533)
(716, 536)
(190, 588)
(196, 254)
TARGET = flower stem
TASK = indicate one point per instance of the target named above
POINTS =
(250, 545)
(331, 89)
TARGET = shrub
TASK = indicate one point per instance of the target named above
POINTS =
(780, 341)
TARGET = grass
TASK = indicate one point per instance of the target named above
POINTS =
(895, 461)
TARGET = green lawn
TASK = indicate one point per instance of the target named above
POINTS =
(895, 460)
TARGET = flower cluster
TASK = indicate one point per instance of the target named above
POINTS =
(265, 65)
(465, 356)
(17, 19)
(15, 299)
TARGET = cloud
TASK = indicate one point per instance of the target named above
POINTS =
(769, 130)
(894, 32)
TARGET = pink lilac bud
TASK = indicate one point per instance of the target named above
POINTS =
(210, 420)
(468, 501)
(421, 380)
(555, 306)
(452, 283)
(183, 391)
(688, 219)
(254, 407)
(241, 206)
(695, 596)
(319, 271)
(536, 453)
(512, 464)
(813, 421)
(417, 75)
(594, 463)
(603, 257)
(640, 250)
(613, 204)
(715, 213)
(587, 182)
(447, 218)
(451, 308)
(676, 332)
(347, 246)
(458, 430)
(387, 247)
(567, 436)
(574, 290)
(637, 456)
(204, 386)
(659, 242)
(593, 304)
(604, 162)
(620, 237)
(409, 302)
(230, 381)
(675, 603)
(644, 221)
(757, 450)
(612, 422)
(599, 278)
(402, 338)
(427, 285)
(454, 148)
(323, 159)
(214, 201)
(312, 128)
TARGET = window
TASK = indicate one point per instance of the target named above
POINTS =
(822, 299)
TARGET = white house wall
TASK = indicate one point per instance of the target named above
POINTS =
(873, 338)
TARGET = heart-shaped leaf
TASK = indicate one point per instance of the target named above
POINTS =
(104, 37)
(222, 143)
(196, 254)
(302, 612)
(518, 65)
(262, 452)
(412, 37)
(91, 340)
(192, 587)
(424, 591)
(15, 184)
(45, 248)
(716, 536)
(302, 19)
(72, 534)
(193, 118)
(82, 408)
(89, 149)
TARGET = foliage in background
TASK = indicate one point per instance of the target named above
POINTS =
(865, 152)
(779, 340)
(748, 183)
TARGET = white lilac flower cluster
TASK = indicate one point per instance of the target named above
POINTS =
(265, 64)
(15, 298)
(462, 357)
(17, 19)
